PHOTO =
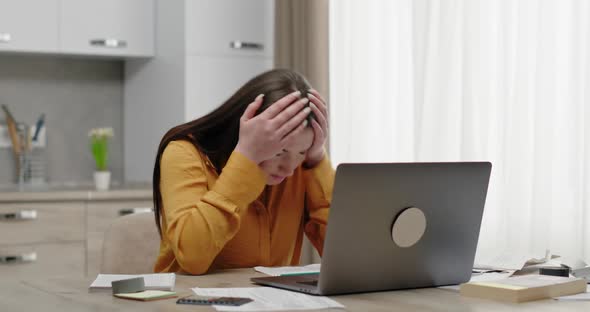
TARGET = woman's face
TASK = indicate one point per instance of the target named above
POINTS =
(284, 164)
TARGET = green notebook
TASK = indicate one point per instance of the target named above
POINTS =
(148, 295)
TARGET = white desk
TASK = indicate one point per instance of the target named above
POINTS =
(71, 294)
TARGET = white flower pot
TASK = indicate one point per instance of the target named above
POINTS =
(102, 180)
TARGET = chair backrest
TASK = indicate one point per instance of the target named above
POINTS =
(131, 245)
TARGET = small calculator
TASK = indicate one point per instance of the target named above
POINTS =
(229, 301)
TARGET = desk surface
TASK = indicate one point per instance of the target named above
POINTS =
(69, 294)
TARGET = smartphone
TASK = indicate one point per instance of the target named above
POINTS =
(230, 301)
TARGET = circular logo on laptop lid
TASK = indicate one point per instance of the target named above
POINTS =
(408, 227)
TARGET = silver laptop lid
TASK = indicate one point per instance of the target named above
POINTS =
(437, 206)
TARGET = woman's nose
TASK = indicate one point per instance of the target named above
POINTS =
(288, 166)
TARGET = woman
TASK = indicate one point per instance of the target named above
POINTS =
(239, 186)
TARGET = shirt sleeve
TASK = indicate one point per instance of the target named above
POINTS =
(319, 183)
(200, 221)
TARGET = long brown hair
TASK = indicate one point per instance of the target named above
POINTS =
(216, 134)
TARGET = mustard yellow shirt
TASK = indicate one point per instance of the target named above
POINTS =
(233, 220)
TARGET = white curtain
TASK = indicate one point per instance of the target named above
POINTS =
(499, 80)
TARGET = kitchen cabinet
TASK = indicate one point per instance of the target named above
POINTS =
(60, 233)
(29, 26)
(43, 259)
(110, 28)
(39, 222)
(41, 238)
(224, 75)
(107, 27)
(230, 28)
(206, 50)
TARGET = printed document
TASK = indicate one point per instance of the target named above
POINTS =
(268, 299)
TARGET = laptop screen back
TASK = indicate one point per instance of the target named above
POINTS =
(443, 203)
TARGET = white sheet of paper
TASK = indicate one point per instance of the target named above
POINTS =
(485, 277)
(157, 281)
(583, 296)
(573, 263)
(268, 299)
(278, 271)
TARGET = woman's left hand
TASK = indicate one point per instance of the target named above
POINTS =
(319, 124)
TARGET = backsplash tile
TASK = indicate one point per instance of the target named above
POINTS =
(75, 94)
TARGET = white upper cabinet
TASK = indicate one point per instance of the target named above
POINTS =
(212, 80)
(206, 51)
(107, 27)
(230, 27)
(29, 25)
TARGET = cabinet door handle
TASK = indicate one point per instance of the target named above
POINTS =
(22, 258)
(108, 43)
(241, 45)
(21, 215)
(5, 37)
(128, 211)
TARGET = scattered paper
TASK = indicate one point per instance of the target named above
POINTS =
(583, 296)
(582, 273)
(289, 270)
(268, 299)
(511, 261)
(573, 263)
(485, 277)
(158, 281)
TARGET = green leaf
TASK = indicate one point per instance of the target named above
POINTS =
(99, 148)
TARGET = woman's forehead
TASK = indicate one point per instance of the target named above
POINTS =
(300, 142)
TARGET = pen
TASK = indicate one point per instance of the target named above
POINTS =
(299, 273)
(38, 126)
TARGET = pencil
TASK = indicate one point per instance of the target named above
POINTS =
(12, 131)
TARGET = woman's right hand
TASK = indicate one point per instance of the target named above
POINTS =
(263, 136)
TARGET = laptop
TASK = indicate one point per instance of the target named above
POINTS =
(398, 226)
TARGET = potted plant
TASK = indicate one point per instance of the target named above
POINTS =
(99, 146)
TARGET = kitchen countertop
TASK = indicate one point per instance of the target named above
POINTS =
(80, 192)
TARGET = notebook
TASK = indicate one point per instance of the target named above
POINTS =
(148, 295)
(524, 288)
(157, 281)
